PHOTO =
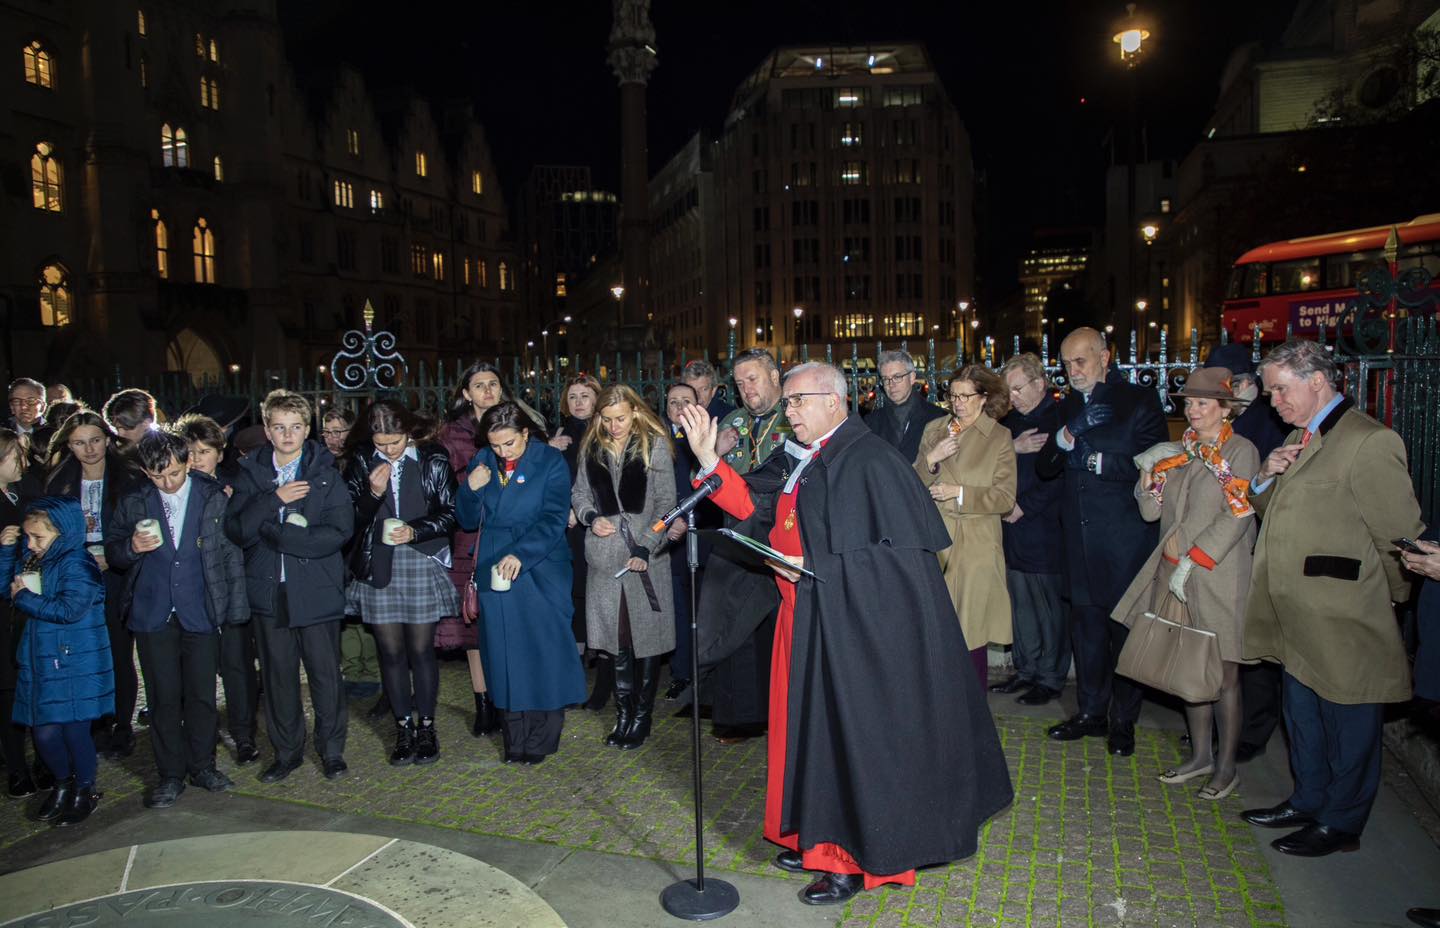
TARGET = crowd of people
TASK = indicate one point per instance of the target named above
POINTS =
(904, 546)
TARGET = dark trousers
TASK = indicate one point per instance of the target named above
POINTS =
(740, 685)
(241, 680)
(535, 732)
(12, 737)
(180, 669)
(282, 650)
(1260, 688)
(680, 590)
(1334, 755)
(122, 650)
(1042, 643)
(1096, 640)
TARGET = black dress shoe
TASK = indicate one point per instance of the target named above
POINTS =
(164, 793)
(334, 767)
(212, 780)
(790, 861)
(1282, 816)
(737, 734)
(42, 776)
(1316, 840)
(1121, 742)
(246, 753)
(21, 785)
(1080, 726)
(79, 808)
(278, 771)
(1012, 685)
(677, 688)
(1427, 918)
(1038, 696)
(512, 757)
(832, 888)
(532, 760)
(59, 799)
(143, 717)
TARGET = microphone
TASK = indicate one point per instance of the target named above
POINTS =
(707, 486)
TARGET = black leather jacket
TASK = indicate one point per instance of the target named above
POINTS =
(432, 531)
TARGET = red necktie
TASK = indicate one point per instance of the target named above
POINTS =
(1306, 440)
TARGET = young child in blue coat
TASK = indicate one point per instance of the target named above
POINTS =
(66, 678)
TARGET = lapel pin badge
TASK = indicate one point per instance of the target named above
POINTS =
(519, 478)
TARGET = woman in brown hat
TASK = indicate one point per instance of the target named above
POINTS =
(1197, 488)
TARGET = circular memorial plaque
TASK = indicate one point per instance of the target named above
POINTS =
(222, 904)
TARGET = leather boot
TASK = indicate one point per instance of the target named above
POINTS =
(78, 809)
(624, 664)
(404, 752)
(487, 717)
(58, 801)
(648, 671)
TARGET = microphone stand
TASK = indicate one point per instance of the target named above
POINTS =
(697, 900)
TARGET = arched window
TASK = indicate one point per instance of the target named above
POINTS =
(162, 245)
(219, 170)
(203, 244)
(504, 276)
(214, 52)
(38, 70)
(182, 149)
(209, 93)
(45, 179)
(140, 22)
(174, 147)
(54, 295)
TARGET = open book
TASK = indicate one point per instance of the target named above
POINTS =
(767, 553)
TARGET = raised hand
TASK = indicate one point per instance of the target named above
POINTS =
(1279, 460)
(478, 477)
(380, 478)
(1091, 415)
(701, 432)
(9, 535)
(947, 447)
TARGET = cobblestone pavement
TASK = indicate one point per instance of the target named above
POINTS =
(1091, 839)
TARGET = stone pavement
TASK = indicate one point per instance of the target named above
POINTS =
(1091, 839)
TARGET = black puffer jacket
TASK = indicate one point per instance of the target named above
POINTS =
(432, 530)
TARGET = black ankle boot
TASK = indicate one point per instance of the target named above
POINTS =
(624, 686)
(58, 801)
(404, 752)
(487, 717)
(604, 683)
(647, 671)
(82, 802)
(427, 742)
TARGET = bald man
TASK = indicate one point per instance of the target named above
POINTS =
(1103, 541)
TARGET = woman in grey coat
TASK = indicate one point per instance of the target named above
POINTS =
(624, 484)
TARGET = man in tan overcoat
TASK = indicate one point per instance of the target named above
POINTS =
(1326, 575)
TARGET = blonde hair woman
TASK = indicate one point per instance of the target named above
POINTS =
(624, 484)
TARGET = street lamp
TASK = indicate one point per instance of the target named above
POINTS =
(1140, 307)
(799, 312)
(1130, 36)
(1148, 232)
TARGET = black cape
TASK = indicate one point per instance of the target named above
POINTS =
(891, 752)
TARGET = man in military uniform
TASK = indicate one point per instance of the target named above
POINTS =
(737, 615)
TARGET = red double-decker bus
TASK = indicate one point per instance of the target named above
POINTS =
(1306, 282)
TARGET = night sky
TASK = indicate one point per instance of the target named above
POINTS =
(1017, 73)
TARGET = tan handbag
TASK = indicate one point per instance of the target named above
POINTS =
(1171, 655)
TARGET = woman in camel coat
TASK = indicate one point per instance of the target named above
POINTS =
(968, 462)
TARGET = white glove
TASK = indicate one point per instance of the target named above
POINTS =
(1181, 574)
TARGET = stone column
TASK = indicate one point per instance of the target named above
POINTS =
(632, 58)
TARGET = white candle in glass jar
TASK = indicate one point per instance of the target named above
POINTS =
(498, 583)
(31, 579)
(387, 532)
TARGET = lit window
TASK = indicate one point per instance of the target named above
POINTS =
(54, 295)
(45, 179)
(203, 245)
(352, 142)
(852, 134)
(214, 52)
(418, 260)
(174, 147)
(377, 201)
(1165, 205)
(465, 271)
(437, 263)
(144, 71)
(162, 245)
(482, 272)
(199, 45)
(422, 165)
(140, 22)
(219, 170)
(849, 97)
(210, 93)
(560, 284)
(344, 194)
(853, 173)
(477, 183)
(38, 66)
(504, 276)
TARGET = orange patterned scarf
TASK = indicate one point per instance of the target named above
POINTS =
(1235, 488)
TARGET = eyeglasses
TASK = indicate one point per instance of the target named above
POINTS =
(796, 400)
(964, 396)
(891, 381)
(1015, 390)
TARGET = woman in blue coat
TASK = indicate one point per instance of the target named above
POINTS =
(66, 677)
(518, 491)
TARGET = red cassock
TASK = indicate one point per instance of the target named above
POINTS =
(734, 498)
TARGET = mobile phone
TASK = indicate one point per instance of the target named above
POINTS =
(1405, 544)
